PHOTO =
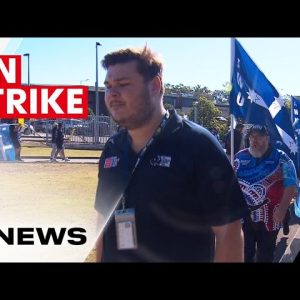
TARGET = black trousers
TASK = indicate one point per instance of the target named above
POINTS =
(260, 244)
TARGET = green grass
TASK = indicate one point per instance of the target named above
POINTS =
(32, 192)
(45, 151)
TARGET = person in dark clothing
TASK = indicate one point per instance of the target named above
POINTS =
(60, 143)
(237, 140)
(166, 190)
(53, 141)
(15, 135)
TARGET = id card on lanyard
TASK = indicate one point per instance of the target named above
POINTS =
(125, 218)
(125, 229)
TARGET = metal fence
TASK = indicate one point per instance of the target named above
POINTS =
(93, 130)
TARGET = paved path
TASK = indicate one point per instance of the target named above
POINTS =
(45, 159)
(288, 246)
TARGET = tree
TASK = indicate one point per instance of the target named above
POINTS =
(179, 89)
(206, 113)
(202, 92)
(220, 96)
(183, 90)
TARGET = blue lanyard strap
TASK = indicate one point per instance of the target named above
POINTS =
(143, 151)
(151, 140)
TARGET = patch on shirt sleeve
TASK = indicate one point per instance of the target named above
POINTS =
(111, 162)
(161, 161)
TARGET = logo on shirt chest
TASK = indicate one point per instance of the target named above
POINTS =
(161, 161)
(111, 162)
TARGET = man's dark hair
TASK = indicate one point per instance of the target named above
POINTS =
(148, 64)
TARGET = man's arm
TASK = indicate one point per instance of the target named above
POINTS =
(229, 242)
(280, 211)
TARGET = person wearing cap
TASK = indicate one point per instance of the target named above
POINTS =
(53, 141)
(267, 177)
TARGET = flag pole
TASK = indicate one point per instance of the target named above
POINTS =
(292, 110)
(231, 115)
(231, 139)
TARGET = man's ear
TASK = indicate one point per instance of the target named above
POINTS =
(156, 85)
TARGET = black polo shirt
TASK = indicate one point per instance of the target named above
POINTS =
(183, 186)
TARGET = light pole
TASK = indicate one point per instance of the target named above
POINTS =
(28, 81)
(81, 81)
(97, 95)
(96, 83)
(28, 69)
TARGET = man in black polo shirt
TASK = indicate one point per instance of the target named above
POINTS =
(166, 187)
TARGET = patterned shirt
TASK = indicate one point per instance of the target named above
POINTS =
(263, 181)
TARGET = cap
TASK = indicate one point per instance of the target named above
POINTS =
(260, 129)
(55, 124)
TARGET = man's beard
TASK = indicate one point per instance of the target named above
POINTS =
(143, 113)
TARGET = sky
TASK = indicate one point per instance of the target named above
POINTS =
(190, 61)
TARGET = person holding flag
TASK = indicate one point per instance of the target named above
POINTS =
(256, 101)
(267, 177)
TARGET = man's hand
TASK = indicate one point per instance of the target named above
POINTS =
(279, 214)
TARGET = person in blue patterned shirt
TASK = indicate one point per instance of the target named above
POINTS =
(267, 177)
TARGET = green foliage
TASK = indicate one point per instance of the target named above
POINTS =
(218, 96)
(205, 113)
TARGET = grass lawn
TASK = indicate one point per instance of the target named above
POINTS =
(35, 193)
(45, 151)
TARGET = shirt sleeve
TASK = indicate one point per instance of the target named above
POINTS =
(289, 173)
(219, 193)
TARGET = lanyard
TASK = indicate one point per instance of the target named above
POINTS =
(143, 151)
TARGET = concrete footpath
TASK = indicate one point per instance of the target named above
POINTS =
(72, 160)
(288, 246)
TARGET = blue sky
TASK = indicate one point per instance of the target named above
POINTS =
(191, 61)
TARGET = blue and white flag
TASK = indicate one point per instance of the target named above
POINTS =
(295, 113)
(254, 99)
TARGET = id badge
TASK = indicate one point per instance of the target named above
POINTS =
(126, 229)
